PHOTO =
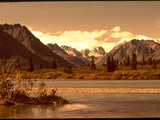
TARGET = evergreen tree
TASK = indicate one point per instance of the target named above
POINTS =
(17, 68)
(121, 63)
(143, 60)
(124, 61)
(92, 65)
(40, 66)
(54, 65)
(150, 61)
(128, 61)
(111, 65)
(116, 64)
(30, 66)
(157, 61)
(17, 64)
(154, 65)
(134, 62)
(68, 69)
(103, 64)
(108, 64)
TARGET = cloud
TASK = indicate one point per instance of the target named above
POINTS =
(80, 40)
(116, 29)
(108, 46)
(77, 39)
(123, 34)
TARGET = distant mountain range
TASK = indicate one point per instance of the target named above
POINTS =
(17, 40)
(70, 54)
(78, 58)
(23, 37)
(96, 52)
(148, 48)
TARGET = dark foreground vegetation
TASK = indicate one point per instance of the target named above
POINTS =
(17, 90)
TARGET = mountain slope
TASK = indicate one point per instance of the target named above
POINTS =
(140, 47)
(11, 47)
(72, 59)
(33, 44)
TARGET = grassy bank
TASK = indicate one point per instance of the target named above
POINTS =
(123, 73)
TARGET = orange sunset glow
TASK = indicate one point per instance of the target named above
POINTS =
(86, 24)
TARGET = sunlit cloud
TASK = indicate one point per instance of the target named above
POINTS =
(108, 46)
(77, 39)
(116, 29)
(80, 40)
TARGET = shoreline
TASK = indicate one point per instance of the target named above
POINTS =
(95, 79)
(105, 90)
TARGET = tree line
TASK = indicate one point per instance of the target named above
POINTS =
(31, 67)
(112, 64)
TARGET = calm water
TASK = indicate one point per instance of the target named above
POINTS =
(93, 105)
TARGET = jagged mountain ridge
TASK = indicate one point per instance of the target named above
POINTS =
(73, 52)
(148, 48)
(70, 58)
(33, 44)
(96, 52)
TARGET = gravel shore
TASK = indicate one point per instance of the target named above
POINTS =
(103, 90)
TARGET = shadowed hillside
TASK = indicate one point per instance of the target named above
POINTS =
(11, 47)
(33, 44)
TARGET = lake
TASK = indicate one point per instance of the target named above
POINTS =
(95, 99)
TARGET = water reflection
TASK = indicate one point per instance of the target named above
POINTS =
(26, 111)
(73, 107)
(94, 104)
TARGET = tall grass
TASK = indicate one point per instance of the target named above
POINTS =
(123, 73)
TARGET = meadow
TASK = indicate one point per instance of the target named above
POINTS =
(143, 72)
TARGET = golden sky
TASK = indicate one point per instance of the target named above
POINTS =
(86, 24)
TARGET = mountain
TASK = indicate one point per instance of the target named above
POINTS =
(73, 52)
(33, 44)
(148, 48)
(96, 52)
(70, 58)
(11, 47)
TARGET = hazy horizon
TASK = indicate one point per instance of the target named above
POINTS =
(86, 24)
